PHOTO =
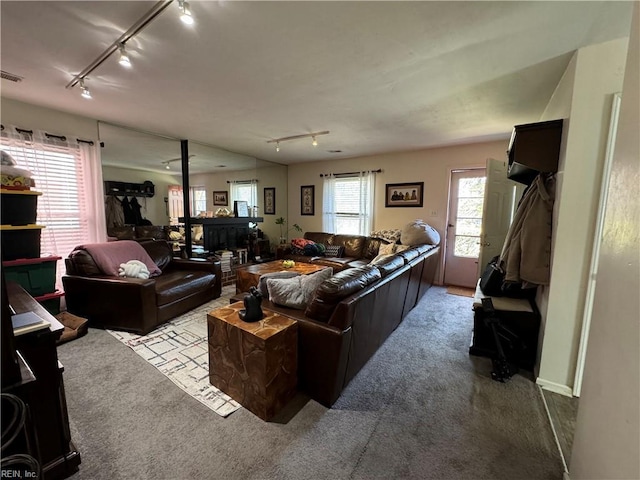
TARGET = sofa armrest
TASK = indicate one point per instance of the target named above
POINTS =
(113, 302)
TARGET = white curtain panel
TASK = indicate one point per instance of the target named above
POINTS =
(328, 204)
(367, 182)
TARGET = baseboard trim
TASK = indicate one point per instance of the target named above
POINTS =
(555, 387)
(555, 435)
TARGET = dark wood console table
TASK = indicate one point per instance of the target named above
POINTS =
(224, 232)
(44, 394)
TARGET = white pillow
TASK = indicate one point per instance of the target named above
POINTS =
(296, 292)
(262, 283)
(419, 232)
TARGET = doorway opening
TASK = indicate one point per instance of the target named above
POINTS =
(464, 227)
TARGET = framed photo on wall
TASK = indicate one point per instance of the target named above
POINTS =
(269, 201)
(404, 194)
(307, 200)
(221, 198)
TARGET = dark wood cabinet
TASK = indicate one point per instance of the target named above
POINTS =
(534, 148)
(44, 395)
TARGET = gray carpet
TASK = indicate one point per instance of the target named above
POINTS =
(421, 408)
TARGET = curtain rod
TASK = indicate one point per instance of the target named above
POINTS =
(253, 180)
(62, 138)
(350, 173)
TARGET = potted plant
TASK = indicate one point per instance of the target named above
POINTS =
(284, 231)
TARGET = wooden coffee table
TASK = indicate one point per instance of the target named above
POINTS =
(247, 277)
(254, 363)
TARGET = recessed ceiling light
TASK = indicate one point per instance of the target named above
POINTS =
(334, 151)
(220, 166)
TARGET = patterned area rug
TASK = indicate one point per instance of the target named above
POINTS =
(179, 350)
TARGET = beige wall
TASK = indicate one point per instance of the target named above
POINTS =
(153, 208)
(598, 74)
(607, 436)
(432, 166)
(29, 116)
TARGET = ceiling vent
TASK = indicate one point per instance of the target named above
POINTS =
(10, 76)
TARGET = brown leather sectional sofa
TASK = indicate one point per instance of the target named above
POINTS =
(353, 313)
(134, 304)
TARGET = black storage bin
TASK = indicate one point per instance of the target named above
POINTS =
(21, 241)
(18, 207)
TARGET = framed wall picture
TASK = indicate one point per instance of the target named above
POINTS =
(221, 198)
(241, 208)
(404, 194)
(307, 200)
(269, 201)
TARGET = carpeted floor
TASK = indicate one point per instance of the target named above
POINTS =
(421, 408)
(179, 349)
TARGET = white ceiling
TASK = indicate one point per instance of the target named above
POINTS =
(380, 76)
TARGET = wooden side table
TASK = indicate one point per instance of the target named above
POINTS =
(254, 363)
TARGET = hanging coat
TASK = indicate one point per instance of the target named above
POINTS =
(136, 208)
(526, 254)
(129, 215)
(113, 212)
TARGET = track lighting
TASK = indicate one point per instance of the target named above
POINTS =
(124, 58)
(84, 90)
(314, 140)
(185, 14)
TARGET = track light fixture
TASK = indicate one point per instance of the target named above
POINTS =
(84, 91)
(124, 58)
(185, 14)
(119, 44)
(313, 136)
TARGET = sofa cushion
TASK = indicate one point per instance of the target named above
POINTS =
(418, 232)
(388, 264)
(295, 292)
(178, 284)
(390, 235)
(262, 283)
(122, 232)
(160, 252)
(108, 256)
(319, 237)
(372, 247)
(353, 244)
(338, 287)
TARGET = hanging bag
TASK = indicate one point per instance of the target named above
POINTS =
(492, 278)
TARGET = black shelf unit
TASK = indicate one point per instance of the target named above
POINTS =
(534, 148)
(145, 189)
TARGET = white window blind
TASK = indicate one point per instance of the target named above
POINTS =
(348, 204)
(67, 207)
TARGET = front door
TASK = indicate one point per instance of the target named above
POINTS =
(466, 198)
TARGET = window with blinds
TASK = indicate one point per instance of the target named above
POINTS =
(198, 200)
(247, 191)
(349, 209)
(59, 174)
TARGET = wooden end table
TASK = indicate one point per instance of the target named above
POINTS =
(249, 276)
(254, 363)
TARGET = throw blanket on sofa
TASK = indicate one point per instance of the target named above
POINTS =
(108, 256)
(133, 269)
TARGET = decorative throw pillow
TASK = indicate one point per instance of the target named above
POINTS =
(390, 235)
(296, 292)
(402, 248)
(387, 249)
(419, 232)
(262, 283)
(334, 251)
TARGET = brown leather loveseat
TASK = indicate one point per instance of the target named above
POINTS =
(135, 304)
